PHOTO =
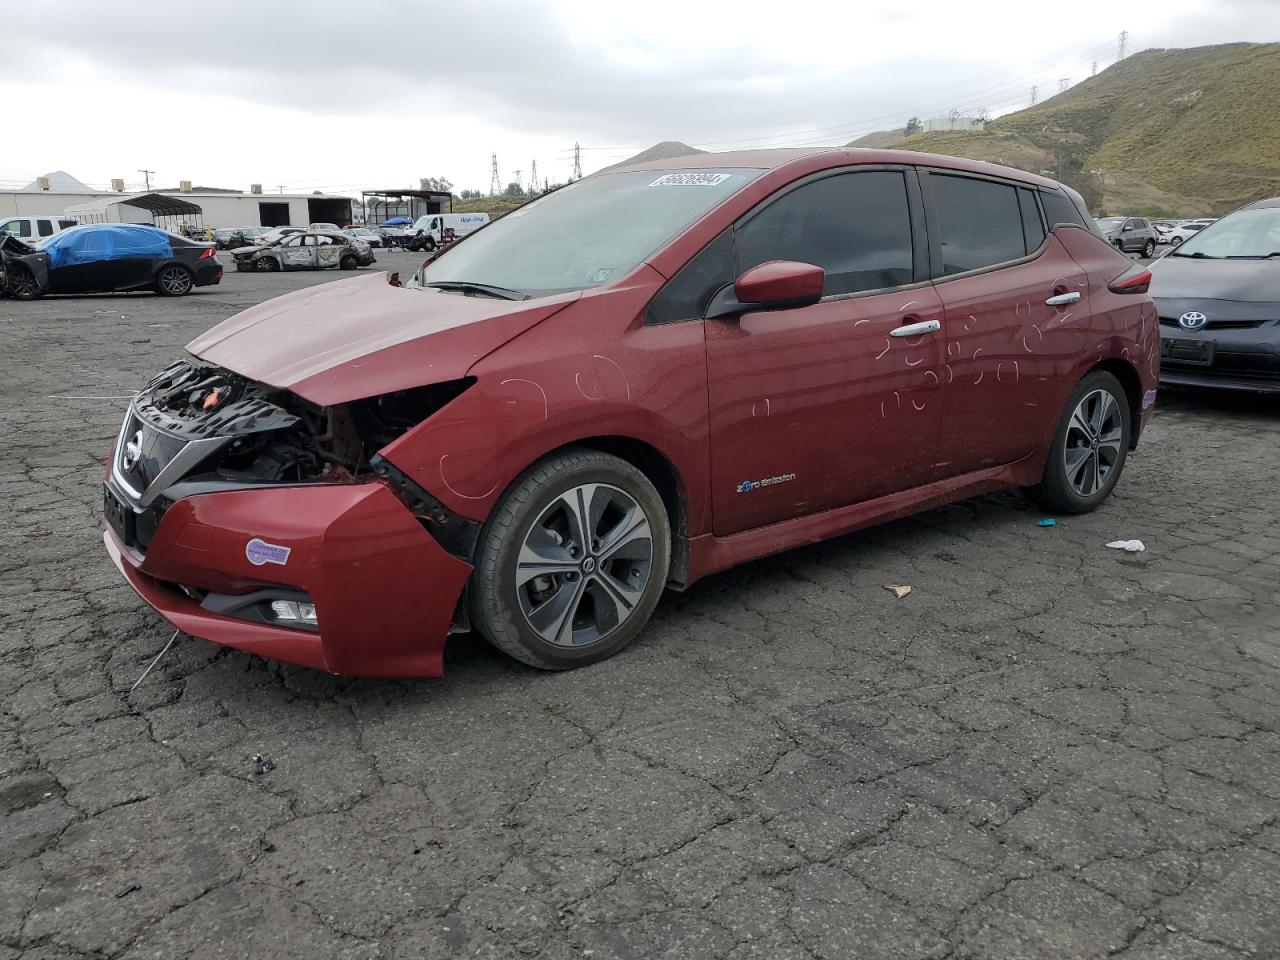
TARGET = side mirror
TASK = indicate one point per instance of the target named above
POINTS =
(780, 283)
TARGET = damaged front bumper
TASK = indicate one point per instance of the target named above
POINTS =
(229, 504)
(385, 592)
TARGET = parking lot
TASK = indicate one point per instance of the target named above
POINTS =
(1048, 748)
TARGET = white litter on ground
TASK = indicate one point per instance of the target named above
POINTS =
(1128, 546)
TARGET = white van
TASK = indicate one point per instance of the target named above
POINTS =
(428, 231)
(34, 229)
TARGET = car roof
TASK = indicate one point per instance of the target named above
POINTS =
(1263, 204)
(832, 157)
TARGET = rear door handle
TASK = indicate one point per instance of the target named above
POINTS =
(915, 329)
(1062, 299)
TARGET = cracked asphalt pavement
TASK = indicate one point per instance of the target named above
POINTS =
(1048, 749)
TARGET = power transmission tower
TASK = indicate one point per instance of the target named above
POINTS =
(518, 172)
(1094, 71)
(1035, 94)
(577, 162)
(1063, 84)
(495, 185)
(147, 174)
(533, 177)
(1124, 43)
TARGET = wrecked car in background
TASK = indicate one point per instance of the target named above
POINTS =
(645, 377)
(306, 251)
(108, 258)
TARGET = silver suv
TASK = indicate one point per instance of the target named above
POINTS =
(1130, 235)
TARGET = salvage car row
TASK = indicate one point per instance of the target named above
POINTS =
(123, 257)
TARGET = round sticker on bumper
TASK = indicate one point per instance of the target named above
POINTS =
(259, 552)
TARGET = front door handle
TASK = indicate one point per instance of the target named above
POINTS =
(1062, 299)
(915, 329)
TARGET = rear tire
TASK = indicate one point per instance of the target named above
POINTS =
(555, 592)
(268, 264)
(1089, 447)
(174, 281)
(22, 283)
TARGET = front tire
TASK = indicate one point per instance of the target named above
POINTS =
(1089, 447)
(1149, 250)
(22, 282)
(268, 264)
(174, 281)
(572, 561)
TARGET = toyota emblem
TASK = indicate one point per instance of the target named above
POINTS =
(132, 452)
(1192, 320)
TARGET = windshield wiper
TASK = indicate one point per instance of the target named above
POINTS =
(1197, 255)
(488, 289)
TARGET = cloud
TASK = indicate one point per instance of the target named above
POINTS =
(566, 70)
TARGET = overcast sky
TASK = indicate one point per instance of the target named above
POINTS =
(339, 96)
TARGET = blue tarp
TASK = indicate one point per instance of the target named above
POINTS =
(106, 241)
(397, 222)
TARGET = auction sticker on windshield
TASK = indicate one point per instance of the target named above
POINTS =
(690, 179)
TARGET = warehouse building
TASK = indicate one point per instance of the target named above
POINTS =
(212, 209)
(59, 193)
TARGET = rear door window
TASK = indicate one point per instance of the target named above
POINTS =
(856, 226)
(979, 221)
(45, 227)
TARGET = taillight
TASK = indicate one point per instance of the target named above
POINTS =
(1137, 279)
(206, 254)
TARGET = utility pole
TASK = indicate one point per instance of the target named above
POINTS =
(147, 174)
(495, 185)
(1124, 43)
(280, 187)
(1035, 94)
(1063, 84)
(577, 162)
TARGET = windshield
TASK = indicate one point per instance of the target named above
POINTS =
(1107, 223)
(1246, 234)
(586, 234)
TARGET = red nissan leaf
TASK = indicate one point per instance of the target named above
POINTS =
(642, 378)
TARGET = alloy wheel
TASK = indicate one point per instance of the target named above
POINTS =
(1092, 447)
(175, 281)
(584, 564)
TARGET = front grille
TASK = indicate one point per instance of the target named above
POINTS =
(142, 454)
(1216, 324)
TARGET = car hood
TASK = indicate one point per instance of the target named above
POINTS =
(245, 251)
(361, 337)
(1186, 278)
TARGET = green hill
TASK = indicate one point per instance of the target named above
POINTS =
(1164, 132)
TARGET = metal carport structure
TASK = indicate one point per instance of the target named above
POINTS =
(166, 212)
(381, 204)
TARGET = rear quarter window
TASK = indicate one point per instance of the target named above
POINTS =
(1058, 208)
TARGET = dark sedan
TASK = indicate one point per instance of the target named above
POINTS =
(1218, 296)
(110, 258)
